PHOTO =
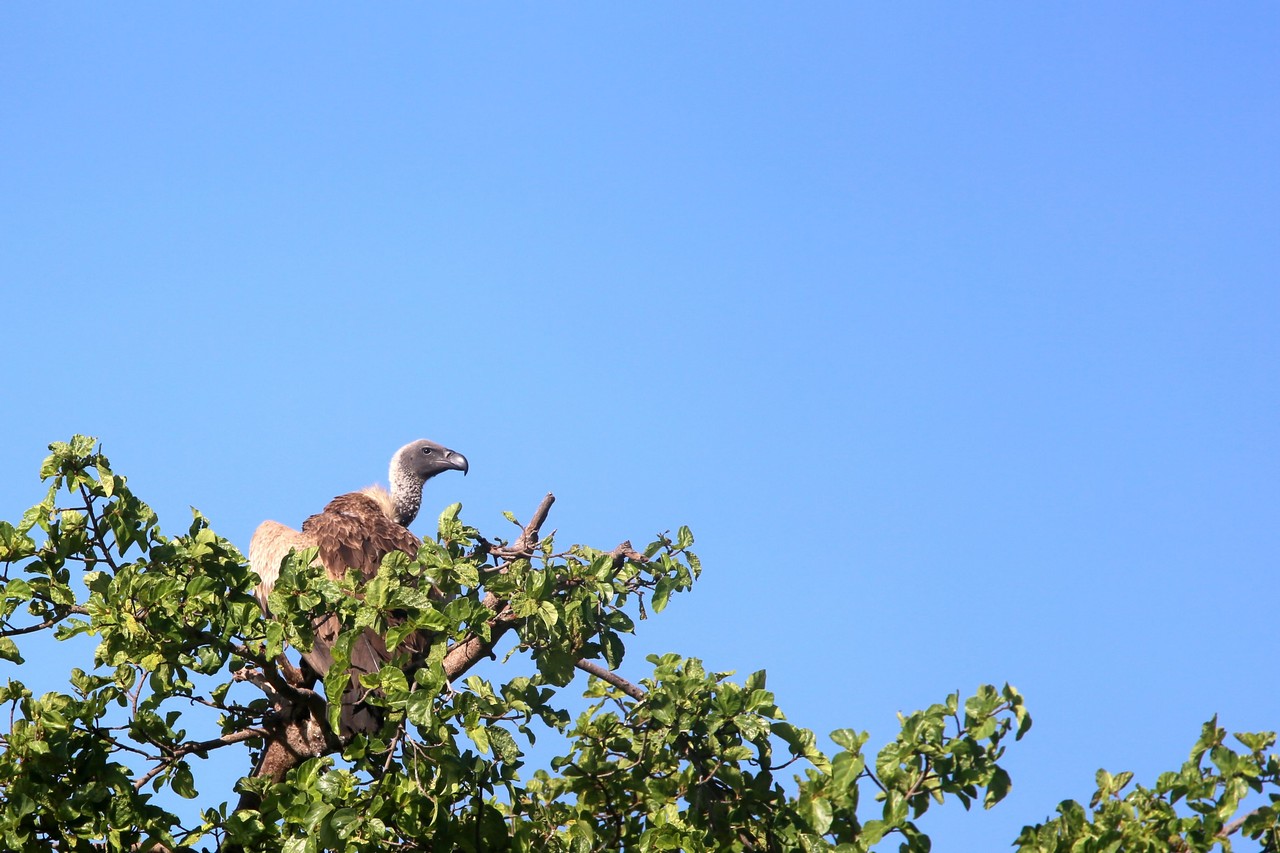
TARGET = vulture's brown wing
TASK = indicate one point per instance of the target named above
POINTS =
(354, 532)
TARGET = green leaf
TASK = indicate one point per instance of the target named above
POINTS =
(997, 788)
(105, 479)
(343, 822)
(14, 546)
(1253, 741)
(896, 808)
(480, 736)
(845, 769)
(378, 590)
(420, 707)
(850, 739)
(182, 782)
(448, 517)
(391, 681)
(873, 831)
(504, 745)
(9, 650)
(82, 445)
(661, 592)
(620, 622)
(613, 649)
(817, 813)
(467, 574)
(548, 613)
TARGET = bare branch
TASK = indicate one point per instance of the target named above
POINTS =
(183, 750)
(266, 675)
(467, 653)
(523, 546)
(74, 610)
(611, 677)
(625, 552)
(1234, 827)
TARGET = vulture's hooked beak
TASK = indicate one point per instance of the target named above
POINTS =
(456, 461)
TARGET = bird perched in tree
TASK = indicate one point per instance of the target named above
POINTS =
(355, 531)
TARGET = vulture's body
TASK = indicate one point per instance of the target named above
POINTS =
(355, 531)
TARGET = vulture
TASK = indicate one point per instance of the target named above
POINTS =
(356, 531)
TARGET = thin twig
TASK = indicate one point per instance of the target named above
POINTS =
(391, 750)
(97, 530)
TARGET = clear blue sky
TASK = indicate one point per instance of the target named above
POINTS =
(954, 334)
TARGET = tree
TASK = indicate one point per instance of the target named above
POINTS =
(687, 760)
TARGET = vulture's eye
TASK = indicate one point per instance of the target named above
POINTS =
(426, 451)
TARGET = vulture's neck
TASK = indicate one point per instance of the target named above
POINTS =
(406, 496)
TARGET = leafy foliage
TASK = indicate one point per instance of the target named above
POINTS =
(1148, 820)
(689, 760)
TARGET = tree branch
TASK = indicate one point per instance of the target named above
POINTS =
(74, 610)
(625, 552)
(473, 649)
(524, 545)
(611, 677)
(183, 750)
(267, 676)
(1234, 827)
(467, 653)
(470, 651)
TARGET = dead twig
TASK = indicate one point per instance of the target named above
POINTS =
(529, 536)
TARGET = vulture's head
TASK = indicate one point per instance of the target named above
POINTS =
(421, 460)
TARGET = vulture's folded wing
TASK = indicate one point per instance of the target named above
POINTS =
(353, 532)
